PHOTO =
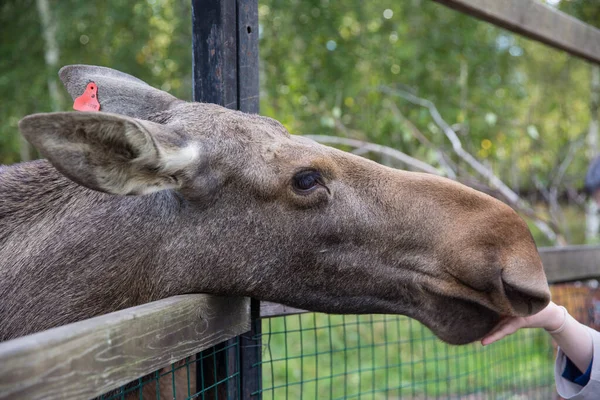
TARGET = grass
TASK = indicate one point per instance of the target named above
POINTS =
(319, 356)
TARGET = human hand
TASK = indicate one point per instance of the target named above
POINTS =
(550, 318)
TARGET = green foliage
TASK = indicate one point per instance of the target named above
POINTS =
(586, 11)
(23, 87)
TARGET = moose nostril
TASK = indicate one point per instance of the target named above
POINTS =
(525, 302)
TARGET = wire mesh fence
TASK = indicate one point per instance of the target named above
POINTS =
(213, 374)
(316, 356)
(321, 356)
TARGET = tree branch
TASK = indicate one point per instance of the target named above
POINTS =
(443, 159)
(512, 197)
(376, 148)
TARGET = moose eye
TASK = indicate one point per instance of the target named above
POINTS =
(306, 181)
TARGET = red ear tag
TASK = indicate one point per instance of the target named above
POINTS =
(88, 101)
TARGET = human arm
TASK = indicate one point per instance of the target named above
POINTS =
(572, 337)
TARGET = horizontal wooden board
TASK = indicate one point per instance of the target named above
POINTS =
(268, 309)
(571, 263)
(91, 357)
(538, 21)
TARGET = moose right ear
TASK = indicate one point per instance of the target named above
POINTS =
(118, 92)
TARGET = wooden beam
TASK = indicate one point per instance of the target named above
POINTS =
(225, 72)
(91, 357)
(537, 21)
(215, 80)
(571, 263)
(268, 309)
(247, 29)
(214, 52)
(250, 343)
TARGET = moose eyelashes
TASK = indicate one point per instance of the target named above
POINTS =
(305, 182)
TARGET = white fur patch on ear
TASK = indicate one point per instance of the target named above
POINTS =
(131, 187)
(179, 159)
(142, 190)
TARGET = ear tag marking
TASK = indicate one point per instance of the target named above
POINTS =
(88, 101)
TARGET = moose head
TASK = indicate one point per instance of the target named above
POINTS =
(167, 197)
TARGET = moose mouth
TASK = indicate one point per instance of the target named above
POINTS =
(453, 320)
(457, 321)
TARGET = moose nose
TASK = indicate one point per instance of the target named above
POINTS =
(526, 301)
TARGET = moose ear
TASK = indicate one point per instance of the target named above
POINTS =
(118, 92)
(112, 153)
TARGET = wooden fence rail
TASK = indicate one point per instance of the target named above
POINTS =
(571, 263)
(88, 358)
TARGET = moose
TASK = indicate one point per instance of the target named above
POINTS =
(153, 196)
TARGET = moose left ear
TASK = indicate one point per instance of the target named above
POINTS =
(112, 153)
(118, 92)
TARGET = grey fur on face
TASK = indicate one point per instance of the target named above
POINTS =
(154, 197)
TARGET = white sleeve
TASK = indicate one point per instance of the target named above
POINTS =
(570, 390)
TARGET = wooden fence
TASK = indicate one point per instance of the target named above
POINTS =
(91, 357)
(88, 358)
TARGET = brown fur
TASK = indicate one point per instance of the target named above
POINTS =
(224, 218)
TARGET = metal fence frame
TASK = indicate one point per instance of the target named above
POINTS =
(225, 56)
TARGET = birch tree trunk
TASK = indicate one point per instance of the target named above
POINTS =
(51, 52)
(592, 221)
(51, 56)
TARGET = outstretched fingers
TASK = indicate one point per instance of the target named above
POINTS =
(507, 326)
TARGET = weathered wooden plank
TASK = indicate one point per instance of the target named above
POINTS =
(251, 356)
(219, 48)
(571, 263)
(537, 21)
(91, 357)
(214, 52)
(268, 309)
(248, 56)
(250, 343)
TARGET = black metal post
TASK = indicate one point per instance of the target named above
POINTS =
(225, 68)
(250, 356)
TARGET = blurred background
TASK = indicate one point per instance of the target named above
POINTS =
(503, 114)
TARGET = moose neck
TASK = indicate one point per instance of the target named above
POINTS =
(119, 251)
